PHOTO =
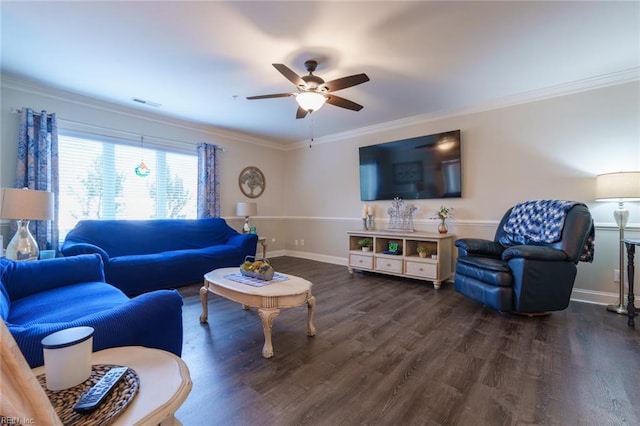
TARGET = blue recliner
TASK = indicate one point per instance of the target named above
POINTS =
(41, 297)
(531, 265)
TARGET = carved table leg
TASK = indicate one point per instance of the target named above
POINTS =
(437, 284)
(204, 291)
(631, 309)
(267, 316)
(311, 303)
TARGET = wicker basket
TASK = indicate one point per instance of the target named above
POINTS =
(265, 276)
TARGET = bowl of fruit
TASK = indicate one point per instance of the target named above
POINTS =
(257, 268)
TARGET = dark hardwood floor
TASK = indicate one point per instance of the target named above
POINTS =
(393, 351)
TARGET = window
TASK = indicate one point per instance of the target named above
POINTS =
(98, 181)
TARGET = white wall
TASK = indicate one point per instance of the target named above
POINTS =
(551, 148)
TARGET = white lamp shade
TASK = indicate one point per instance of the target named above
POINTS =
(26, 204)
(310, 101)
(621, 186)
(246, 209)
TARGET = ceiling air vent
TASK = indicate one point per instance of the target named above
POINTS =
(145, 102)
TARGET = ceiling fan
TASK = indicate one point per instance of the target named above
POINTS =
(313, 91)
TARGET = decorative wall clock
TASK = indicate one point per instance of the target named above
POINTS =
(252, 182)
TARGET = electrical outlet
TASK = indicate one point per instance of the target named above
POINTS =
(302, 243)
(616, 275)
(295, 242)
(273, 240)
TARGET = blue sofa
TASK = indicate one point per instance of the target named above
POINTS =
(41, 297)
(144, 255)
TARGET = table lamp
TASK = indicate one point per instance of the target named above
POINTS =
(620, 187)
(24, 205)
(246, 209)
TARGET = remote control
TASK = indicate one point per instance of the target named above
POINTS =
(91, 399)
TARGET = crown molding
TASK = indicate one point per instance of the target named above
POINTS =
(34, 88)
(596, 82)
(612, 79)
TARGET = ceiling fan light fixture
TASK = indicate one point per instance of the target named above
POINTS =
(310, 101)
(313, 91)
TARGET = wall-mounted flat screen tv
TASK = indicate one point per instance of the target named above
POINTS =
(423, 167)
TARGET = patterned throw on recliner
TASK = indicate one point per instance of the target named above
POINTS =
(542, 221)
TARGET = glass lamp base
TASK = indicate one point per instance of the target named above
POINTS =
(246, 228)
(22, 246)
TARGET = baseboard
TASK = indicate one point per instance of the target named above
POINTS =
(577, 295)
(599, 297)
(313, 256)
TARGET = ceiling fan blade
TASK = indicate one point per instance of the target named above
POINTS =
(343, 103)
(344, 82)
(274, 95)
(301, 113)
(290, 75)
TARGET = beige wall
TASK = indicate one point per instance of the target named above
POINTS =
(98, 117)
(551, 148)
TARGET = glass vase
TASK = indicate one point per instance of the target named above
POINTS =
(442, 227)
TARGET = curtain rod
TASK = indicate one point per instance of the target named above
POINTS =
(19, 111)
(137, 135)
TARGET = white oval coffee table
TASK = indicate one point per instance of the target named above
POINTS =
(269, 299)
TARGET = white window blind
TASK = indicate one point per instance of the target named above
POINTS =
(98, 181)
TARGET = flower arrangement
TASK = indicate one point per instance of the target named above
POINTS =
(444, 213)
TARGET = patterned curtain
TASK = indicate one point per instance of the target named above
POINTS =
(208, 181)
(37, 168)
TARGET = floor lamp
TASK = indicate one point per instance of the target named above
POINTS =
(620, 187)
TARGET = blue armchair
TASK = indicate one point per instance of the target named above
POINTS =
(41, 297)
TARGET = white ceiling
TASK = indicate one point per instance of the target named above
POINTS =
(200, 60)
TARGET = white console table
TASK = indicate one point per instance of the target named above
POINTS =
(436, 267)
